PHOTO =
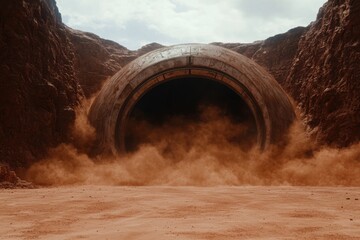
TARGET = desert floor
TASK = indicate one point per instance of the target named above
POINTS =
(105, 212)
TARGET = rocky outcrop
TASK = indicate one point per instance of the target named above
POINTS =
(148, 48)
(7, 176)
(276, 53)
(96, 59)
(325, 75)
(39, 90)
(45, 69)
(8, 179)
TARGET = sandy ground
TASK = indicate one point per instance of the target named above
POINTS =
(103, 212)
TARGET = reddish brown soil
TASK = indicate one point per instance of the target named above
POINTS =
(102, 212)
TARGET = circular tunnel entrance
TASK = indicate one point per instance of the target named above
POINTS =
(184, 84)
(175, 113)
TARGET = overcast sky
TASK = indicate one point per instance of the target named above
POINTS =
(134, 23)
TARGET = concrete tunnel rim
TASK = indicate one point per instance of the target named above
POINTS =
(105, 110)
(126, 108)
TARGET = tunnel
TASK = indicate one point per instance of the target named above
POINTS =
(164, 113)
(180, 82)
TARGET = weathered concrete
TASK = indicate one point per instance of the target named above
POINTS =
(271, 107)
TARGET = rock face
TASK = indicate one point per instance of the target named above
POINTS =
(148, 48)
(8, 179)
(39, 89)
(45, 68)
(96, 59)
(276, 53)
(325, 76)
(7, 176)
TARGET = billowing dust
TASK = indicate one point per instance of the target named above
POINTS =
(203, 153)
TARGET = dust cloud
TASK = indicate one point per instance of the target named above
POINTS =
(209, 152)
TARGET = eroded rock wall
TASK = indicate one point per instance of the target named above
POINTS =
(39, 90)
(96, 59)
(276, 53)
(46, 68)
(325, 75)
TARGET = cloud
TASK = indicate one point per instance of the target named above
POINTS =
(135, 22)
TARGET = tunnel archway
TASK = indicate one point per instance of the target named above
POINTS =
(271, 110)
(192, 106)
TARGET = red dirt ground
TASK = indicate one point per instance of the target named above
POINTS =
(108, 212)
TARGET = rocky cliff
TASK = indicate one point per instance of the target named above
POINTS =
(39, 89)
(46, 68)
(325, 75)
(276, 53)
(96, 59)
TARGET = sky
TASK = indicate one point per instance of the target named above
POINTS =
(134, 23)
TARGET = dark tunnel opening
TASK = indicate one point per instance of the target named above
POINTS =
(169, 114)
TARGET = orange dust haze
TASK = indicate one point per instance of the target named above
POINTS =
(210, 152)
